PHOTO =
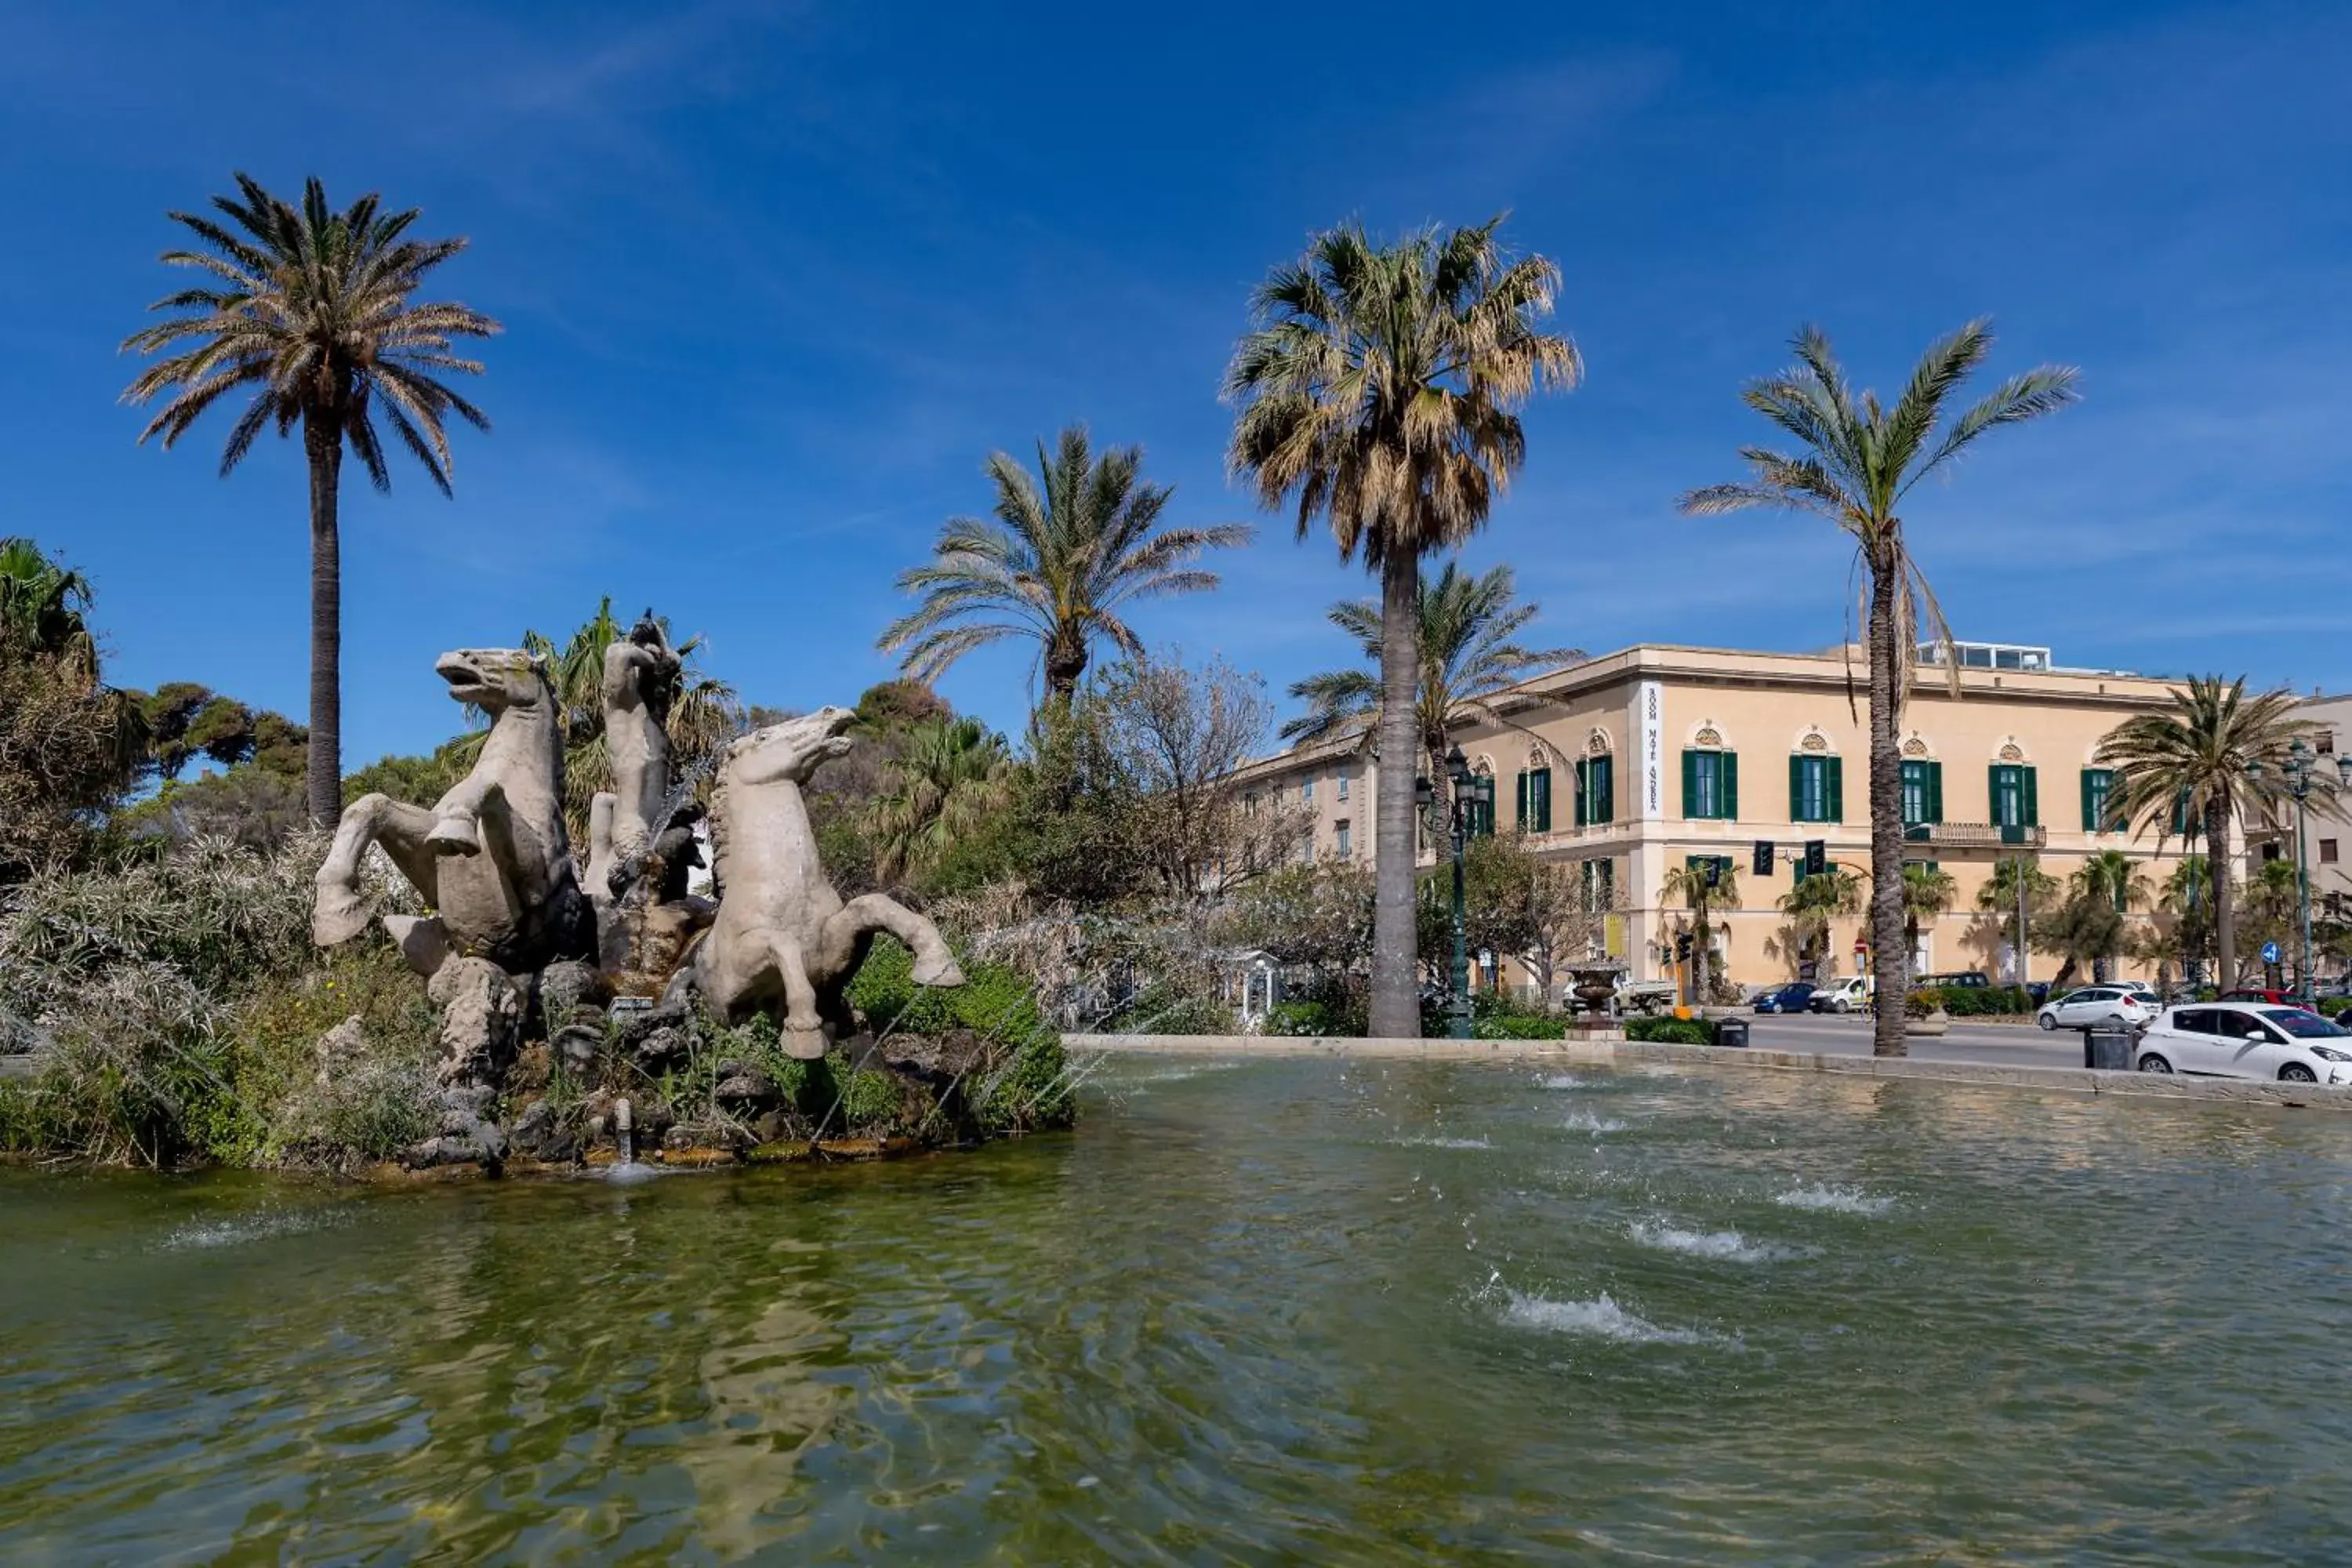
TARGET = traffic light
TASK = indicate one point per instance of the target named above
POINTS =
(1763, 858)
(1682, 948)
(1816, 856)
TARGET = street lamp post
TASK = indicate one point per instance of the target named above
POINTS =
(1471, 791)
(2298, 768)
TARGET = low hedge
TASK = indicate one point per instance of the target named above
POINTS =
(1980, 1001)
(1671, 1031)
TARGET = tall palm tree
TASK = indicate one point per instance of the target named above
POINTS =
(950, 775)
(1068, 551)
(2188, 897)
(1379, 387)
(2110, 879)
(1466, 626)
(1703, 883)
(1998, 897)
(2215, 753)
(1857, 461)
(43, 608)
(1927, 892)
(315, 310)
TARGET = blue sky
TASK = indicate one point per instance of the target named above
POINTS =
(777, 278)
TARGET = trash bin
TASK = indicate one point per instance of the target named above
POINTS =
(1731, 1032)
(2107, 1049)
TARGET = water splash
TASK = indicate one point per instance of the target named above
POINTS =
(1833, 1200)
(1561, 1080)
(204, 1235)
(1586, 1121)
(1442, 1143)
(1600, 1318)
(1720, 1245)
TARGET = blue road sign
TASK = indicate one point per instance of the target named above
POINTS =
(2270, 952)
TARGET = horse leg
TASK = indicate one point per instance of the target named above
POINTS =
(869, 912)
(456, 820)
(802, 1026)
(339, 913)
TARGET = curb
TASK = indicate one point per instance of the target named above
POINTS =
(1982, 1075)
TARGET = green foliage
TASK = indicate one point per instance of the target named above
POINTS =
(1671, 1031)
(1979, 1001)
(1025, 1084)
(1308, 1017)
(1162, 1008)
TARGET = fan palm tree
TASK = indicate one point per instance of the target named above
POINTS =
(2110, 879)
(1703, 883)
(314, 309)
(1813, 904)
(948, 777)
(1858, 460)
(2215, 753)
(1927, 892)
(1378, 390)
(1068, 551)
(1466, 626)
(42, 611)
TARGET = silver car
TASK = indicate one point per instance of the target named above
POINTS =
(2089, 1005)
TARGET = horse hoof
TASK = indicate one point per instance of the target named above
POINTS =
(455, 835)
(939, 971)
(337, 917)
(804, 1044)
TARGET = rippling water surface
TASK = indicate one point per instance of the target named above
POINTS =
(1293, 1311)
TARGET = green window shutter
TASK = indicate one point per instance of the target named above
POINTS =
(1580, 804)
(1796, 788)
(1836, 766)
(2090, 806)
(1935, 791)
(1992, 792)
(1690, 785)
(1519, 809)
(2033, 806)
(1729, 787)
(1539, 798)
(1605, 779)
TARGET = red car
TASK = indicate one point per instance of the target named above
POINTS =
(2262, 993)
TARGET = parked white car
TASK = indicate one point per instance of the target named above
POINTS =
(2247, 1039)
(1848, 996)
(2080, 1009)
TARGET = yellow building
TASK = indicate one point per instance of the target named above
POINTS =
(1652, 755)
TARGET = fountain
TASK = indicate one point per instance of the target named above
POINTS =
(1595, 987)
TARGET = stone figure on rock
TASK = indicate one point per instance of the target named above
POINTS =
(784, 940)
(641, 676)
(491, 857)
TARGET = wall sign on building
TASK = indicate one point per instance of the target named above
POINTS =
(1649, 703)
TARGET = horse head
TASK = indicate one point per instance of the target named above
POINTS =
(496, 679)
(791, 750)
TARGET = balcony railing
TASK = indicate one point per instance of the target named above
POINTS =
(1975, 836)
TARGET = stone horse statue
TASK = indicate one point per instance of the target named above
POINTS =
(783, 934)
(492, 857)
(641, 674)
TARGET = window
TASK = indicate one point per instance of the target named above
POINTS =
(2011, 796)
(1306, 849)
(1340, 785)
(1306, 790)
(1535, 801)
(1600, 883)
(2327, 852)
(1711, 785)
(2098, 783)
(1596, 792)
(2196, 1021)
(1713, 868)
(1922, 793)
(1816, 789)
(1339, 840)
(1482, 815)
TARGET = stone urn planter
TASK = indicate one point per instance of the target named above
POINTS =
(1931, 1023)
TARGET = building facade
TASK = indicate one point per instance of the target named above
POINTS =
(1657, 756)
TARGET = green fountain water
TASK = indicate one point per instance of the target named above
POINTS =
(1278, 1312)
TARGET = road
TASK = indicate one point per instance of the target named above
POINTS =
(2003, 1045)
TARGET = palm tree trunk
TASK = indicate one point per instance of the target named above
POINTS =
(1890, 964)
(1395, 1011)
(1701, 934)
(2217, 871)
(322, 441)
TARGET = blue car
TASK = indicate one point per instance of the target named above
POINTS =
(1790, 999)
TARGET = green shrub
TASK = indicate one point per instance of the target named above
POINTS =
(1026, 1084)
(1165, 1010)
(1671, 1031)
(1309, 1016)
(1519, 1027)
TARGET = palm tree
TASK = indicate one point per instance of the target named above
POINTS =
(1703, 883)
(1927, 892)
(1858, 460)
(1379, 389)
(1998, 898)
(2216, 752)
(314, 309)
(1813, 903)
(2110, 879)
(1068, 551)
(950, 775)
(1464, 627)
(43, 608)
(2188, 897)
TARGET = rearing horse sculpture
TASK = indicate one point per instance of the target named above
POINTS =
(492, 857)
(783, 934)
